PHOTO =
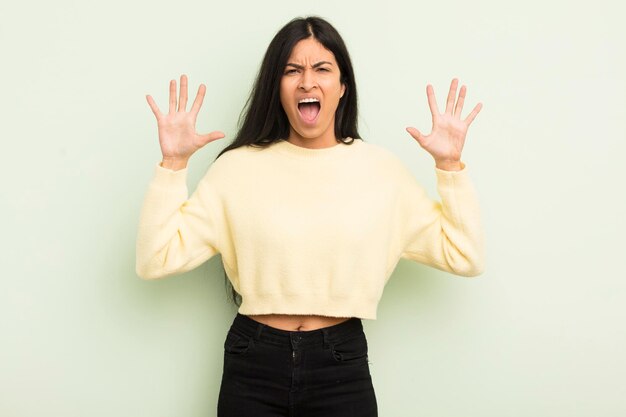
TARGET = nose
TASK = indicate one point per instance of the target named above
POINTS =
(307, 81)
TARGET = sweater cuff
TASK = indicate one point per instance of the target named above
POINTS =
(451, 178)
(168, 178)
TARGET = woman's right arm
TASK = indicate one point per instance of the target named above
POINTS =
(177, 233)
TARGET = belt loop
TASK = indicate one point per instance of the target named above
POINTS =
(326, 338)
(259, 329)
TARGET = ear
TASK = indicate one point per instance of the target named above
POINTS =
(343, 90)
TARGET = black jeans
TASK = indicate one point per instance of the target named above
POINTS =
(269, 372)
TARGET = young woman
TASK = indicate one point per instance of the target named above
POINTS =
(310, 221)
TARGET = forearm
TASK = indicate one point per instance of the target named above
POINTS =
(176, 233)
(447, 234)
(158, 221)
(461, 222)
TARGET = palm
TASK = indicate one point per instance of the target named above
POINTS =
(177, 135)
(447, 137)
(177, 129)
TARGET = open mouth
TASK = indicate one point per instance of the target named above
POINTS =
(309, 111)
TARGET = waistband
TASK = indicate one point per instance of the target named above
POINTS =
(324, 336)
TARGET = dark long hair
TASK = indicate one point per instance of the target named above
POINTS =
(263, 120)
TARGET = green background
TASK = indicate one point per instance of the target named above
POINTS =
(540, 333)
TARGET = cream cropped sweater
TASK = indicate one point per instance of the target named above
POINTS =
(309, 231)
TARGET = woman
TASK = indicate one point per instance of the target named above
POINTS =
(310, 221)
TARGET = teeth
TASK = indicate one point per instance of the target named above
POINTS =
(309, 100)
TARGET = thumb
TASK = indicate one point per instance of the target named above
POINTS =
(416, 134)
(210, 137)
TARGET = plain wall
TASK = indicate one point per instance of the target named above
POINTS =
(540, 333)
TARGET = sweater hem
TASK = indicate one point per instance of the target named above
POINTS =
(307, 306)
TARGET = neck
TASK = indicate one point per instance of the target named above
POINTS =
(327, 140)
(336, 151)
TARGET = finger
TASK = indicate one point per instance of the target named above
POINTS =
(210, 137)
(416, 134)
(469, 119)
(172, 96)
(153, 106)
(195, 108)
(459, 103)
(182, 102)
(451, 96)
(432, 101)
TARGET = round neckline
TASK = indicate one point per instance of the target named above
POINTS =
(286, 147)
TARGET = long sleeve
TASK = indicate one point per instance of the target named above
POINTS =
(177, 234)
(446, 235)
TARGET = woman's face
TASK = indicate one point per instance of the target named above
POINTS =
(311, 73)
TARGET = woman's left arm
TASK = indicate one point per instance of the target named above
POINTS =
(446, 235)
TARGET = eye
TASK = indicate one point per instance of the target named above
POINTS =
(290, 71)
(324, 69)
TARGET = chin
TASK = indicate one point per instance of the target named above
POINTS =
(310, 133)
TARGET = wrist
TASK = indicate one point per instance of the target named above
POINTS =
(455, 165)
(174, 163)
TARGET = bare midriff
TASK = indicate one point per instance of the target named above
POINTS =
(298, 322)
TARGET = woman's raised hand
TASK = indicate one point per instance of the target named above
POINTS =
(445, 141)
(177, 129)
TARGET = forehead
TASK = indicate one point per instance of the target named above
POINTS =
(310, 50)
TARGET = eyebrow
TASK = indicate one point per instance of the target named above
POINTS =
(314, 65)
